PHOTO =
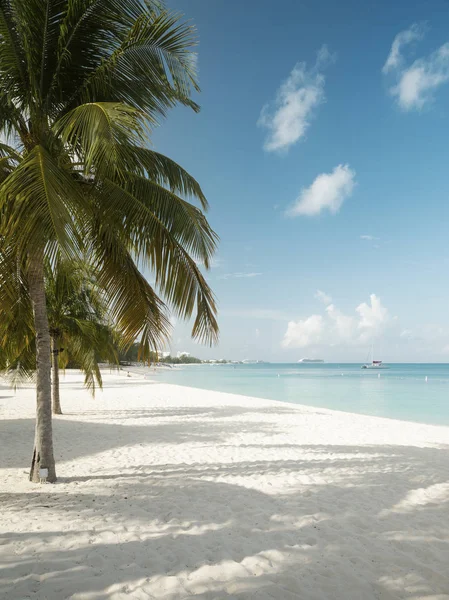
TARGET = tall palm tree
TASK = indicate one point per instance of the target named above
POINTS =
(80, 329)
(82, 83)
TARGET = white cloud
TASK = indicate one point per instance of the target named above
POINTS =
(373, 317)
(328, 191)
(417, 82)
(336, 328)
(239, 275)
(343, 327)
(369, 238)
(295, 102)
(323, 297)
(395, 58)
(300, 334)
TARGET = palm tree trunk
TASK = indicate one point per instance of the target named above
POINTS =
(43, 458)
(55, 379)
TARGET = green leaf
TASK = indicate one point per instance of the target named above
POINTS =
(96, 131)
(44, 204)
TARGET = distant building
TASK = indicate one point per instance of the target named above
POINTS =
(183, 354)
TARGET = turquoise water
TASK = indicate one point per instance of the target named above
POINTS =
(401, 391)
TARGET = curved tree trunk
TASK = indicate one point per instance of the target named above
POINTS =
(43, 458)
(55, 379)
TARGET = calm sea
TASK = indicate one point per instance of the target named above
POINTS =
(399, 392)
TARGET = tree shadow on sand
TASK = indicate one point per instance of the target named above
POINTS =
(353, 523)
(208, 425)
(83, 438)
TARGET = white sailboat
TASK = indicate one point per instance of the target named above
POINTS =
(373, 364)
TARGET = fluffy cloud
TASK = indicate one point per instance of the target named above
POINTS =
(296, 99)
(327, 192)
(369, 238)
(371, 319)
(323, 297)
(300, 334)
(343, 327)
(395, 58)
(417, 82)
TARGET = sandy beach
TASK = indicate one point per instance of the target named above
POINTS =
(173, 493)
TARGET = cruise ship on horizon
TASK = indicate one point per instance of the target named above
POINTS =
(249, 361)
(310, 360)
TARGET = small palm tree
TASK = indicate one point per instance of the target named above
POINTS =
(79, 328)
(82, 83)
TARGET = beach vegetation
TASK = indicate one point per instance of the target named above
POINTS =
(80, 329)
(82, 85)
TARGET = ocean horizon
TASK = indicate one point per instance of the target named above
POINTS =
(417, 392)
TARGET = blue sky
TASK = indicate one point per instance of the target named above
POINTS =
(322, 122)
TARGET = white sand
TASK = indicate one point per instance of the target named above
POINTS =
(170, 493)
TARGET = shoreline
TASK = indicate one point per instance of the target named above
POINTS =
(305, 407)
(147, 376)
(173, 493)
(144, 377)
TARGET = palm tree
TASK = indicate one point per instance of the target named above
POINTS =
(82, 83)
(80, 331)
(79, 324)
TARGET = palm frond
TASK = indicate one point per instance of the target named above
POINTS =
(16, 318)
(186, 223)
(12, 56)
(77, 313)
(166, 250)
(156, 50)
(97, 130)
(43, 201)
(134, 306)
(163, 171)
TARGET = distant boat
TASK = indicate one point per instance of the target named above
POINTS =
(249, 361)
(311, 360)
(374, 364)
